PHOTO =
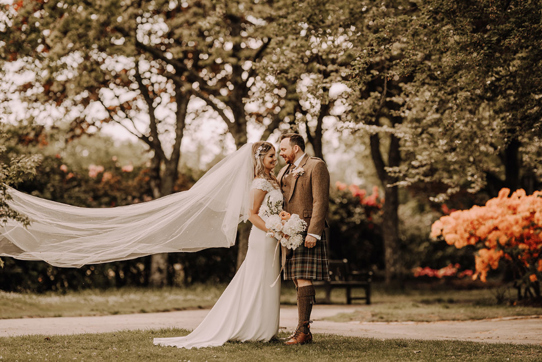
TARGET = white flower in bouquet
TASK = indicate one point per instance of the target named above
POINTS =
(274, 223)
(284, 241)
(292, 242)
(294, 225)
(292, 228)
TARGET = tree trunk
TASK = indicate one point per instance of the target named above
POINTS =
(391, 212)
(511, 161)
(154, 176)
(390, 232)
(390, 215)
(315, 139)
(239, 132)
(512, 165)
(159, 262)
(243, 232)
(158, 275)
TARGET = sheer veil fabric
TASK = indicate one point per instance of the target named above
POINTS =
(206, 216)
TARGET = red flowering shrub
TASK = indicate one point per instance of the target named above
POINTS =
(452, 270)
(354, 222)
(505, 229)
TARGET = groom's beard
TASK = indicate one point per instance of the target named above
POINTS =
(289, 159)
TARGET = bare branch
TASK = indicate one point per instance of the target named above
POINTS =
(213, 105)
(258, 55)
(112, 116)
(153, 126)
(179, 66)
(275, 123)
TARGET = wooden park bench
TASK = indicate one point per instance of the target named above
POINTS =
(342, 277)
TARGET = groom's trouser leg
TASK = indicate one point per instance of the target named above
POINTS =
(305, 300)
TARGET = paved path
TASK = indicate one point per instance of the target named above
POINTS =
(504, 330)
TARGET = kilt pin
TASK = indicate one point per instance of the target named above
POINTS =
(308, 196)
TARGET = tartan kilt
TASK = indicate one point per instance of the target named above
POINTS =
(305, 263)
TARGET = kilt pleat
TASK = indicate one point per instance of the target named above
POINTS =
(305, 263)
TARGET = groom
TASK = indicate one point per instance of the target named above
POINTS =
(305, 185)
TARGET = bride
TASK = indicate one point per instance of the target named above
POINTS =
(248, 310)
(205, 216)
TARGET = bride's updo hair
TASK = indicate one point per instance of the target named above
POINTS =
(259, 150)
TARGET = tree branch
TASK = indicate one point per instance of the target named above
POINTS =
(180, 67)
(275, 123)
(156, 144)
(111, 115)
(212, 104)
(257, 56)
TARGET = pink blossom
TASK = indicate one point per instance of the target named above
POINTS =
(127, 168)
(448, 271)
(107, 176)
(465, 273)
(64, 168)
(94, 170)
(357, 192)
(340, 186)
(371, 200)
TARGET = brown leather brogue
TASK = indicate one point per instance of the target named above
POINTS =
(299, 337)
(285, 339)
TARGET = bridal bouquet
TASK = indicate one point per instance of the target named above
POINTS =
(286, 228)
(292, 230)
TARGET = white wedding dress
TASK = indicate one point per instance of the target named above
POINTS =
(249, 308)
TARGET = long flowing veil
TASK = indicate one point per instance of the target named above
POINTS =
(206, 216)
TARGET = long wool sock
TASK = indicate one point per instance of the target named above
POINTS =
(305, 300)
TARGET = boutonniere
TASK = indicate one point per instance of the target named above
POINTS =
(298, 172)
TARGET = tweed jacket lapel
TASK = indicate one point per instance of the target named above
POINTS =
(301, 164)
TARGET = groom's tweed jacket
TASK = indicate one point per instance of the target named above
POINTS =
(307, 196)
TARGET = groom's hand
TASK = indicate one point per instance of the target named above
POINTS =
(310, 241)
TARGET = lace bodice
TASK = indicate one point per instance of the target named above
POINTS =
(273, 196)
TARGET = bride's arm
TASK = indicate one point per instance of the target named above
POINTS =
(257, 195)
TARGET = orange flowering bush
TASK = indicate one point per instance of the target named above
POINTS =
(505, 229)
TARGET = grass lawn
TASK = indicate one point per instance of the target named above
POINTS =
(107, 302)
(427, 305)
(422, 304)
(137, 346)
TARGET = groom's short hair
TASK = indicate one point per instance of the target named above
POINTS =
(295, 140)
